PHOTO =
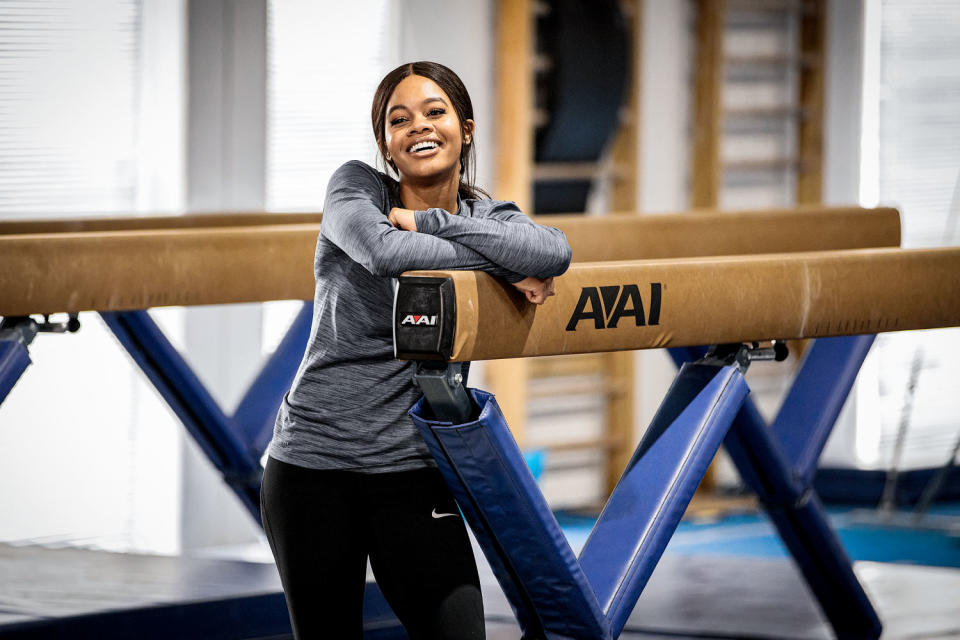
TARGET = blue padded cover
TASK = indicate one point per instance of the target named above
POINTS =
(513, 524)
(522, 607)
(645, 507)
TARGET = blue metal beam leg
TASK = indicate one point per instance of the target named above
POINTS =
(256, 412)
(651, 496)
(14, 360)
(811, 407)
(216, 434)
(779, 463)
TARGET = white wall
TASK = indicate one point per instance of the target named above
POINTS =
(226, 156)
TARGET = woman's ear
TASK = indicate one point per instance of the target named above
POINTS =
(468, 127)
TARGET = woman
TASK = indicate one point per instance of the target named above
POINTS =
(348, 477)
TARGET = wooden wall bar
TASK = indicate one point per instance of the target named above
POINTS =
(705, 172)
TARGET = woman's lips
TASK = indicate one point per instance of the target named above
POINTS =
(429, 153)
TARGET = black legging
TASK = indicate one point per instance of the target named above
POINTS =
(322, 526)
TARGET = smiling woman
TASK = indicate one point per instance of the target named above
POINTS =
(348, 476)
(439, 96)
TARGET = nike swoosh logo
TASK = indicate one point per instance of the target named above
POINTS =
(441, 515)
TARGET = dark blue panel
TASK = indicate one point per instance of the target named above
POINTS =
(261, 616)
(561, 196)
(220, 439)
(584, 88)
(865, 486)
(781, 476)
(243, 617)
(258, 409)
(14, 360)
(645, 507)
(529, 542)
(819, 390)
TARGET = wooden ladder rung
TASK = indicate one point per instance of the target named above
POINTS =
(607, 444)
(806, 61)
(580, 364)
(767, 113)
(555, 171)
(558, 171)
(760, 164)
(574, 388)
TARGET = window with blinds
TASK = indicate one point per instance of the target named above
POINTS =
(68, 81)
(911, 387)
(324, 63)
(919, 117)
(90, 113)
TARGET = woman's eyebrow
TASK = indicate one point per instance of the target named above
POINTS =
(425, 102)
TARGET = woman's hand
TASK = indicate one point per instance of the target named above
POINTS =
(536, 290)
(402, 219)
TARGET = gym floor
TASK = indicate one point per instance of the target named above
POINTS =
(727, 577)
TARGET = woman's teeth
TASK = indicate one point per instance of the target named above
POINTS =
(423, 146)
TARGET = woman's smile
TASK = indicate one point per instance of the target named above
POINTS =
(425, 148)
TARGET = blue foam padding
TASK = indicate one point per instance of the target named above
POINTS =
(649, 500)
(513, 524)
(522, 607)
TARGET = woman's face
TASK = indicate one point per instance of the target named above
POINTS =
(422, 132)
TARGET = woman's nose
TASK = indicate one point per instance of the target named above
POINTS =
(420, 125)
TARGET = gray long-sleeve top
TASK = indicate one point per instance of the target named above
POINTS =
(348, 403)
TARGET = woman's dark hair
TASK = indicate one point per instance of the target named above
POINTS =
(451, 84)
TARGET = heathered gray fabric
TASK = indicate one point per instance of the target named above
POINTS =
(347, 408)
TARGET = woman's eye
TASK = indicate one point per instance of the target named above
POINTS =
(437, 112)
(397, 121)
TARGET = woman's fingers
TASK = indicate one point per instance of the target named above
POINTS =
(402, 219)
(536, 290)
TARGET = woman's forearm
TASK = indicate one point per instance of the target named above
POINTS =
(516, 243)
(353, 219)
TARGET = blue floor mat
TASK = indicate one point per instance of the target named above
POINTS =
(863, 535)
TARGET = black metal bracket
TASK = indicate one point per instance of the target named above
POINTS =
(744, 353)
(444, 388)
(24, 329)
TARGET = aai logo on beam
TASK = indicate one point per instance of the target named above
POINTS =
(606, 306)
(417, 319)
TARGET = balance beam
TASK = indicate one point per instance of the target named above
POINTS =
(630, 236)
(111, 264)
(614, 306)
